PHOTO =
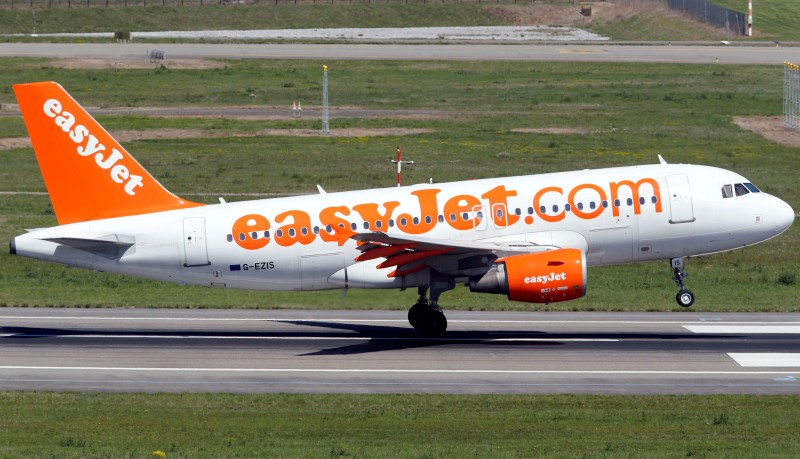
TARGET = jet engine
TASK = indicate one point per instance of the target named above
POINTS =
(543, 277)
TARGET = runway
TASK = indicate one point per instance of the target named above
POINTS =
(600, 52)
(256, 351)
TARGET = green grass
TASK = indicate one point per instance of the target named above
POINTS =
(414, 426)
(632, 112)
(242, 17)
(639, 25)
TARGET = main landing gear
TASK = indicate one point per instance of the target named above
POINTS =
(684, 297)
(425, 316)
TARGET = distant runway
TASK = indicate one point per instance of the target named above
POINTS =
(125, 350)
(709, 54)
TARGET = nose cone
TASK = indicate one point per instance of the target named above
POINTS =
(782, 216)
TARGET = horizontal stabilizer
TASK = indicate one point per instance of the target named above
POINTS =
(108, 248)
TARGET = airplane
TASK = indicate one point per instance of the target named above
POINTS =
(530, 237)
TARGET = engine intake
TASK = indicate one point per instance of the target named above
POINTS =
(544, 277)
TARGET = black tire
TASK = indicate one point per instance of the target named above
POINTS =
(436, 324)
(428, 322)
(685, 298)
(416, 315)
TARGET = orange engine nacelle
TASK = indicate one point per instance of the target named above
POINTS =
(544, 277)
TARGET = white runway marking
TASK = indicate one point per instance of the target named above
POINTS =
(389, 371)
(766, 359)
(747, 329)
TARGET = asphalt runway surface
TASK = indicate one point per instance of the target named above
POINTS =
(255, 351)
(600, 52)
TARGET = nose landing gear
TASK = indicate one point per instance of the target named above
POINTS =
(685, 297)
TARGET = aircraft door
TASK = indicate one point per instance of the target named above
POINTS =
(479, 217)
(194, 242)
(680, 199)
(499, 216)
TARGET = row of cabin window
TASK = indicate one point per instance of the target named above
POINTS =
(453, 217)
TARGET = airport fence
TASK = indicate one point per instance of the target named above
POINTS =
(711, 13)
(791, 95)
(702, 10)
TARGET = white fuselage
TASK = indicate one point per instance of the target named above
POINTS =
(617, 215)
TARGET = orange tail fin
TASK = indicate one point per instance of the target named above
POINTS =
(88, 174)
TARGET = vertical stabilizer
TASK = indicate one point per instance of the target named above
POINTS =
(88, 174)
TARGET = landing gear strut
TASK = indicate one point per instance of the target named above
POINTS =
(426, 316)
(684, 297)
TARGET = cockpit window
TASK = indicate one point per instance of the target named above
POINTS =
(740, 189)
(752, 188)
(727, 191)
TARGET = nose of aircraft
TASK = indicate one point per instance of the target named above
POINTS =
(782, 216)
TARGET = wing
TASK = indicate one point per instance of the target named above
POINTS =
(409, 254)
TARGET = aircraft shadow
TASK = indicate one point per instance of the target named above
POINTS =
(383, 338)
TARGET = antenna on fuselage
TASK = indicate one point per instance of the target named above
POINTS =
(661, 160)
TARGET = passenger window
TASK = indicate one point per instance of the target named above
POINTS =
(530, 210)
(543, 209)
(353, 226)
(727, 191)
(279, 233)
(605, 204)
(641, 200)
(452, 217)
(654, 199)
(741, 190)
(517, 211)
(266, 234)
(441, 219)
(555, 208)
(567, 207)
(592, 205)
(580, 206)
(366, 225)
(304, 231)
(378, 224)
(616, 203)
(428, 219)
(292, 232)
(230, 238)
(254, 235)
(630, 201)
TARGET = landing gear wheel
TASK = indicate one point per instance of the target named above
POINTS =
(428, 321)
(685, 298)
(416, 315)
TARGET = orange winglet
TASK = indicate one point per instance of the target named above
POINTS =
(88, 174)
(383, 251)
(404, 258)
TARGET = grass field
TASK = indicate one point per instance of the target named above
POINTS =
(776, 20)
(413, 426)
(626, 113)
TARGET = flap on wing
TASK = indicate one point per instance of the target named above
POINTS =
(454, 247)
(412, 253)
(108, 246)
